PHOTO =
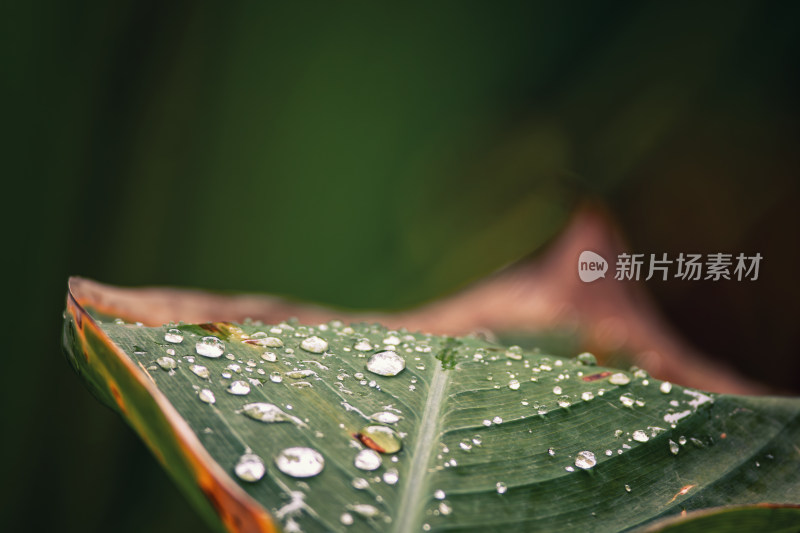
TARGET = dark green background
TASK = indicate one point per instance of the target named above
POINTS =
(370, 156)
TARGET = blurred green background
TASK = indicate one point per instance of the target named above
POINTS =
(370, 156)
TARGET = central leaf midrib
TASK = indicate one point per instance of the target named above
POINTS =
(414, 490)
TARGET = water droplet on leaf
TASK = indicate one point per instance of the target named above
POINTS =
(380, 438)
(300, 462)
(585, 460)
(173, 336)
(314, 344)
(386, 363)
(210, 347)
(367, 460)
(250, 468)
(239, 388)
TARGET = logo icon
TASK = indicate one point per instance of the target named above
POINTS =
(591, 266)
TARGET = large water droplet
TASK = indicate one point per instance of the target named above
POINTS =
(239, 388)
(386, 363)
(207, 396)
(367, 460)
(250, 468)
(210, 347)
(173, 336)
(640, 436)
(619, 379)
(585, 460)
(300, 462)
(314, 344)
(380, 438)
(166, 363)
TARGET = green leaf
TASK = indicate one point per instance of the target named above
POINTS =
(491, 438)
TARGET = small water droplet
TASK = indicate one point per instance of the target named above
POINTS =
(299, 374)
(557, 390)
(514, 352)
(497, 420)
(207, 396)
(393, 340)
(275, 377)
(210, 347)
(619, 379)
(167, 363)
(364, 509)
(363, 346)
(380, 438)
(173, 336)
(640, 436)
(673, 447)
(367, 459)
(386, 363)
(665, 387)
(239, 388)
(269, 357)
(346, 519)
(551, 452)
(200, 371)
(391, 476)
(513, 384)
(585, 460)
(359, 483)
(465, 445)
(250, 468)
(501, 487)
(445, 509)
(477, 440)
(233, 367)
(314, 344)
(682, 440)
(439, 494)
(564, 401)
(587, 359)
(267, 412)
(586, 396)
(300, 462)
(267, 342)
(627, 487)
(385, 417)
(627, 400)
